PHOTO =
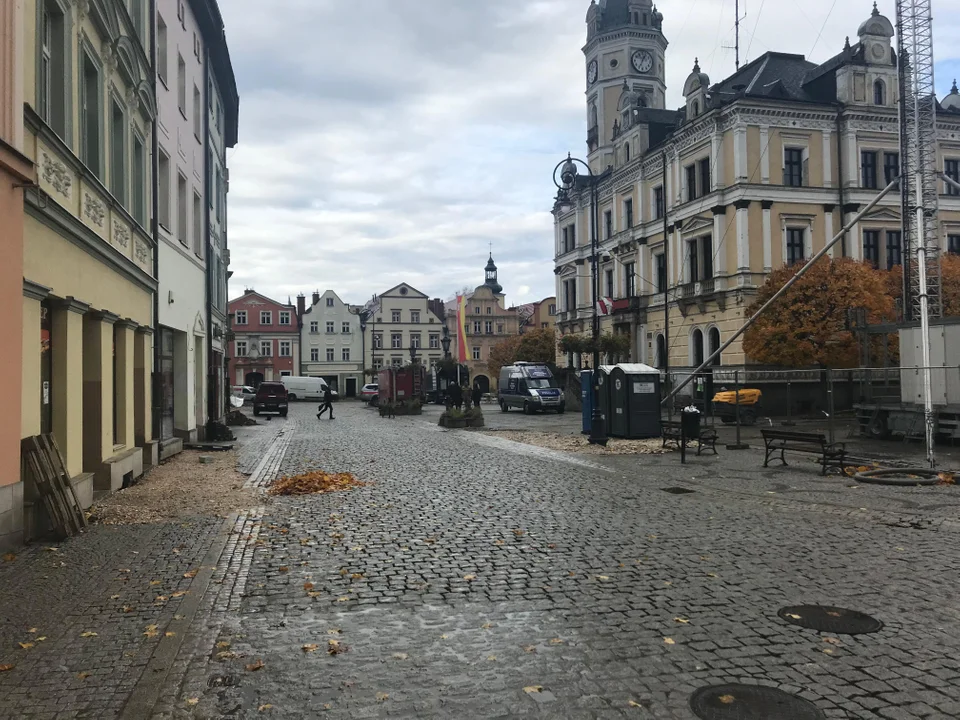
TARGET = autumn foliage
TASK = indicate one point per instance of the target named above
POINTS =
(808, 325)
(535, 346)
(949, 284)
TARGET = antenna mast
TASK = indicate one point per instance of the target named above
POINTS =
(919, 182)
(736, 10)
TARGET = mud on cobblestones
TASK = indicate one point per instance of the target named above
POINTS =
(469, 570)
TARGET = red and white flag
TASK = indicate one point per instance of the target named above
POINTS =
(604, 306)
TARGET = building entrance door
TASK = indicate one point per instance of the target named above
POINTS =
(351, 387)
(166, 384)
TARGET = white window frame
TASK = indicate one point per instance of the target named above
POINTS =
(240, 348)
(286, 348)
(330, 302)
(345, 327)
(476, 353)
(314, 326)
(795, 222)
(396, 316)
(266, 348)
(241, 317)
(331, 327)
(396, 341)
(163, 55)
(314, 354)
(268, 314)
(345, 354)
(434, 341)
(284, 317)
(330, 355)
(415, 317)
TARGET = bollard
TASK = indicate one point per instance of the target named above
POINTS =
(830, 406)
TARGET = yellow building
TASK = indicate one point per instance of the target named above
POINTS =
(697, 206)
(89, 273)
(487, 322)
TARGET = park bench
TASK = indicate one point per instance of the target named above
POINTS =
(831, 455)
(670, 430)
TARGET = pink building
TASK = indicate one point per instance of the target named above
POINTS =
(15, 171)
(265, 339)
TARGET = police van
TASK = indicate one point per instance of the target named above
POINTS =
(531, 387)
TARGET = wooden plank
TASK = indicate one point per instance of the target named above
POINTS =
(71, 524)
(66, 477)
(43, 487)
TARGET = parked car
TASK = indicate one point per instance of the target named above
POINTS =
(244, 391)
(369, 391)
(271, 397)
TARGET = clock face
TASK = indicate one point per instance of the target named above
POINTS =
(642, 61)
(592, 72)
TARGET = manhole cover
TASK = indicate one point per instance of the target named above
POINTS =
(222, 681)
(830, 619)
(751, 702)
(678, 490)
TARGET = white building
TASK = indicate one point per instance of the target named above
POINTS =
(331, 342)
(222, 104)
(406, 319)
(182, 241)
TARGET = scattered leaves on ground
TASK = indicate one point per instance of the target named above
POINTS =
(533, 689)
(795, 616)
(444, 636)
(669, 641)
(832, 641)
(192, 701)
(945, 478)
(83, 675)
(309, 648)
(382, 697)
(223, 644)
(530, 648)
(264, 707)
(308, 586)
(602, 577)
(169, 633)
(518, 533)
(314, 482)
(254, 666)
(6, 668)
(32, 630)
(26, 645)
(634, 703)
(226, 655)
(486, 626)
(400, 656)
(9, 557)
(726, 699)
(190, 573)
(88, 634)
(469, 577)
(556, 641)
(335, 647)
(682, 621)
(283, 568)
(152, 631)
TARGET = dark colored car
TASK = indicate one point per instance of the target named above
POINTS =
(270, 397)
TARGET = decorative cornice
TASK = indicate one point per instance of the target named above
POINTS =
(742, 204)
(766, 204)
(719, 209)
(127, 323)
(71, 304)
(829, 207)
(35, 291)
(105, 316)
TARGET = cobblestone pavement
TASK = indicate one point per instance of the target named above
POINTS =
(476, 577)
(84, 621)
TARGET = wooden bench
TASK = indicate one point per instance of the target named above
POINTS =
(779, 441)
(670, 430)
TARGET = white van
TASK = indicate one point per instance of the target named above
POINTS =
(304, 388)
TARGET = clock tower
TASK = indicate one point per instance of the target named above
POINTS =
(625, 44)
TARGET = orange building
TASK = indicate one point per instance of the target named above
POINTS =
(15, 171)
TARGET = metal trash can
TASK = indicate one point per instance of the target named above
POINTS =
(690, 422)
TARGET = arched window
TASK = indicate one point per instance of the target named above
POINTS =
(626, 151)
(696, 108)
(715, 344)
(879, 93)
(661, 352)
(697, 340)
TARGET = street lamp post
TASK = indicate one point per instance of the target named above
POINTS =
(568, 174)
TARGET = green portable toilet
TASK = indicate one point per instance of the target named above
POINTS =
(619, 422)
(642, 389)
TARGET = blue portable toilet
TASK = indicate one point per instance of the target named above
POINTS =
(586, 397)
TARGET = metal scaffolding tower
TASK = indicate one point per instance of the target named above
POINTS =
(919, 181)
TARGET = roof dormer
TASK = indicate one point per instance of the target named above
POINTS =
(695, 91)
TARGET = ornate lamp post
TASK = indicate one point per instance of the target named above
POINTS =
(445, 343)
(566, 177)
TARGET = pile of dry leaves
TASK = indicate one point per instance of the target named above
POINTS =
(313, 482)
(580, 444)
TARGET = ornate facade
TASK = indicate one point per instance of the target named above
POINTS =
(698, 205)
(89, 253)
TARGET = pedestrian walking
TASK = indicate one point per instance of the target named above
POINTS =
(456, 396)
(327, 403)
(477, 395)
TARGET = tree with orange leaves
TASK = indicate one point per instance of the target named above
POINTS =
(808, 325)
(949, 284)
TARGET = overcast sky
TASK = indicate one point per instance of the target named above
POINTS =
(388, 141)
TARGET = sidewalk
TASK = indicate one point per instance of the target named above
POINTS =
(80, 620)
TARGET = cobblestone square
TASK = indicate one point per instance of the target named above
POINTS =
(484, 578)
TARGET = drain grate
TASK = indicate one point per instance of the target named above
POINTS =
(678, 490)
(835, 620)
(751, 702)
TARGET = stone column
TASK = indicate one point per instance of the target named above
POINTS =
(767, 236)
(30, 389)
(142, 386)
(126, 382)
(67, 345)
(743, 235)
(764, 155)
(97, 389)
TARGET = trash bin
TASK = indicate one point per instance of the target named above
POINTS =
(586, 397)
(690, 422)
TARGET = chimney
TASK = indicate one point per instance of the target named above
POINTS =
(316, 297)
(301, 305)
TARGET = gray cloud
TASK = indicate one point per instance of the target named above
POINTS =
(393, 140)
